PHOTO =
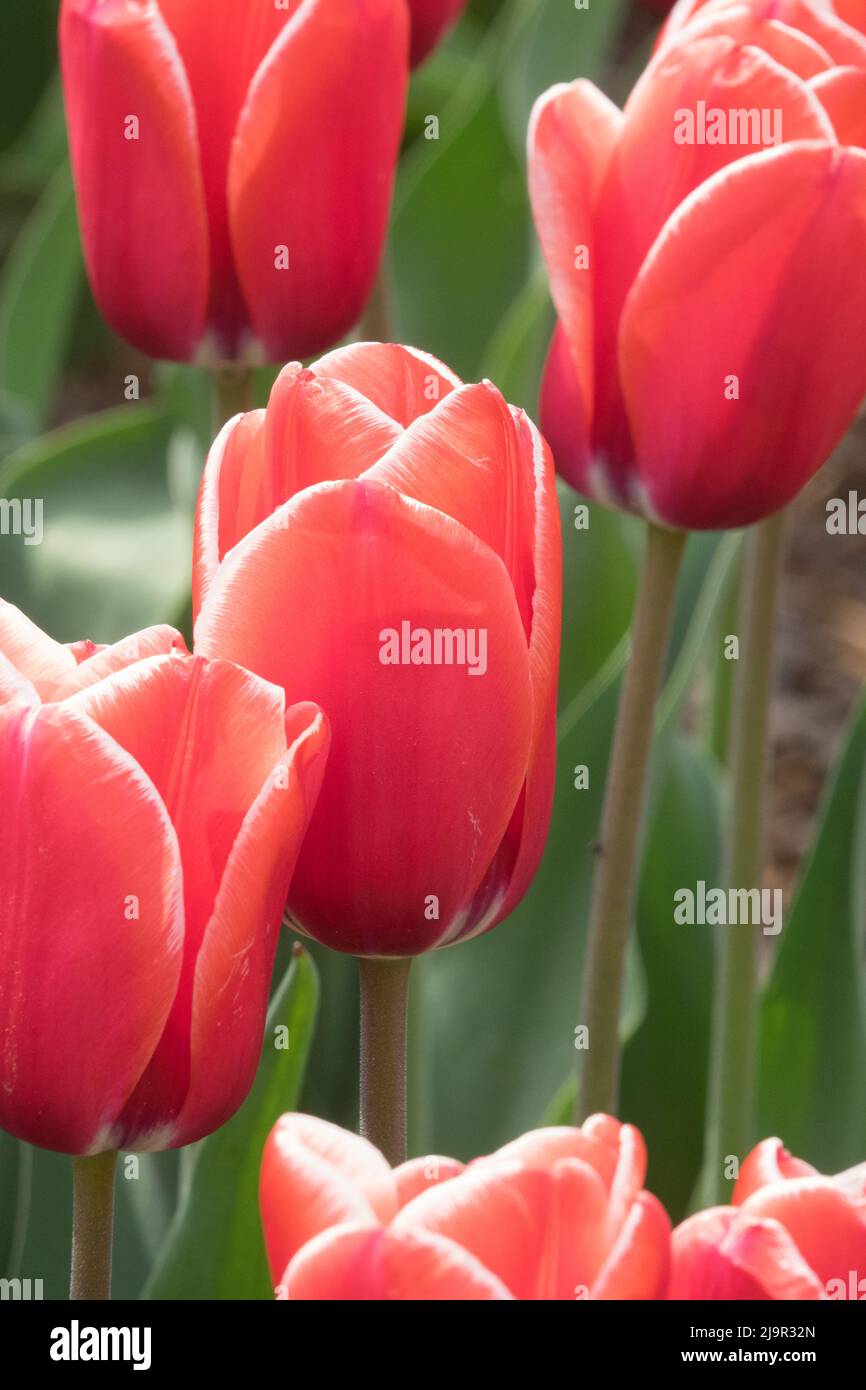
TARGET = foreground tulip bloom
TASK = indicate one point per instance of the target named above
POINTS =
(708, 289)
(233, 164)
(35, 668)
(151, 822)
(791, 1234)
(430, 19)
(385, 541)
(557, 1214)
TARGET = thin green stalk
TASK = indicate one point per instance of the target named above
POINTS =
(384, 1005)
(92, 1226)
(615, 884)
(377, 323)
(232, 392)
(730, 1115)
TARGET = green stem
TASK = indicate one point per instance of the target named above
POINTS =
(734, 1033)
(232, 392)
(377, 323)
(384, 1002)
(615, 884)
(92, 1225)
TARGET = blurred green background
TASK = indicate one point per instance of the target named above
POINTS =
(492, 1021)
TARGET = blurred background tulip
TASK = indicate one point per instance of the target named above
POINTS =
(375, 504)
(558, 1214)
(152, 822)
(430, 19)
(708, 291)
(791, 1233)
(233, 164)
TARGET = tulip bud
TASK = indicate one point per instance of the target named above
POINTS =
(152, 822)
(386, 541)
(706, 277)
(557, 1214)
(791, 1233)
(233, 164)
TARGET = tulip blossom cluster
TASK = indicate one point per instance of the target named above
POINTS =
(154, 805)
(707, 292)
(377, 513)
(557, 1214)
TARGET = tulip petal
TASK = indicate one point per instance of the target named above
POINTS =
(235, 963)
(46, 664)
(14, 686)
(572, 134)
(228, 497)
(140, 194)
(315, 430)
(309, 599)
(488, 467)
(402, 381)
(92, 927)
(151, 641)
(363, 1265)
(736, 400)
(638, 1266)
(314, 1176)
(208, 735)
(788, 42)
(842, 93)
(324, 193)
(828, 1228)
(768, 1162)
(222, 44)
(540, 1232)
(420, 1174)
(430, 19)
(464, 459)
(722, 1254)
(542, 1148)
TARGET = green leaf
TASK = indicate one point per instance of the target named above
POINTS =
(813, 1015)
(38, 296)
(115, 554)
(215, 1249)
(461, 222)
(556, 43)
(665, 1061)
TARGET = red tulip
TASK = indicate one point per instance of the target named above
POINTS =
(708, 293)
(430, 19)
(791, 1234)
(150, 826)
(826, 22)
(386, 541)
(35, 668)
(558, 1214)
(809, 37)
(234, 164)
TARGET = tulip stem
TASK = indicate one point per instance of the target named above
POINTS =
(92, 1226)
(384, 1004)
(615, 883)
(731, 1098)
(377, 324)
(232, 392)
